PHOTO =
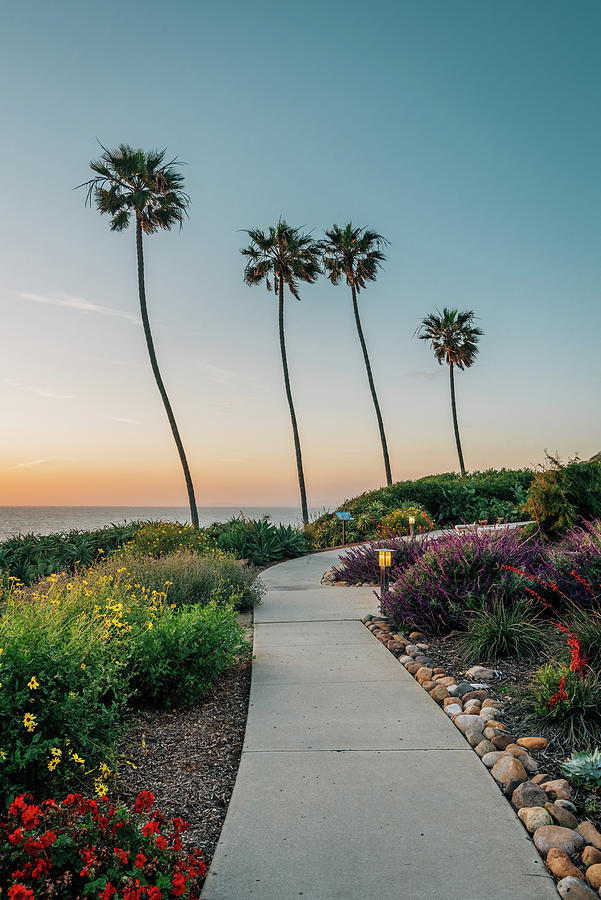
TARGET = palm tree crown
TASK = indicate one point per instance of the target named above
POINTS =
(129, 180)
(282, 253)
(453, 336)
(355, 253)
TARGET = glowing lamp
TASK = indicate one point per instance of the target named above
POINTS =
(412, 520)
(384, 558)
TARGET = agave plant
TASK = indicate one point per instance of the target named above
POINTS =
(584, 769)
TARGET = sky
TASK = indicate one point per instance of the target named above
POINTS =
(467, 133)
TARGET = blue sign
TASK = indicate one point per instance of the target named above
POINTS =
(346, 516)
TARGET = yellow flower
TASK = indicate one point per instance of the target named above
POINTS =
(56, 752)
(100, 787)
(82, 666)
(53, 763)
(33, 684)
(76, 758)
(30, 722)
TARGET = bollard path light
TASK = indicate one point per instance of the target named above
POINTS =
(411, 527)
(384, 561)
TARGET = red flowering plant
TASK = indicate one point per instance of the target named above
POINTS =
(567, 694)
(84, 847)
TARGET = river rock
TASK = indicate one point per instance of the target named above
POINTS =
(559, 863)
(490, 732)
(559, 789)
(567, 804)
(492, 758)
(464, 723)
(405, 659)
(490, 702)
(459, 690)
(555, 836)
(590, 834)
(413, 667)
(484, 747)
(446, 680)
(541, 778)
(474, 737)
(490, 713)
(453, 700)
(475, 695)
(480, 673)
(503, 740)
(438, 670)
(439, 692)
(571, 888)
(416, 635)
(534, 817)
(428, 685)
(532, 743)
(561, 816)
(593, 876)
(509, 772)
(528, 794)
(453, 709)
(591, 856)
(411, 648)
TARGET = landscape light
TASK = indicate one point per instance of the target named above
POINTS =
(384, 561)
(411, 527)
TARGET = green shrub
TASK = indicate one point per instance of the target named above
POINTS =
(175, 661)
(503, 631)
(586, 624)
(189, 578)
(571, 703)
(584, 769)
(561, 495)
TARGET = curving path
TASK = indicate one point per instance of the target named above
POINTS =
(353, 784)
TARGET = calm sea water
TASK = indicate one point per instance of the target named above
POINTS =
(49, 519)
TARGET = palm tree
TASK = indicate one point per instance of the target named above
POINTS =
(357, 254)
(286, 256)
(127, 182)
(454, 339)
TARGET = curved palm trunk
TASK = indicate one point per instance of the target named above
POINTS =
(157, 376)
(372, 388)
(455, 425)
(297, 446)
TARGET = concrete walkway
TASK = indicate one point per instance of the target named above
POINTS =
(353, 784)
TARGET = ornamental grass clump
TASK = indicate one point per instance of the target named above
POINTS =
(190, 578)
(81, 847)
(459, 574)
(568, 701)
(502, 631)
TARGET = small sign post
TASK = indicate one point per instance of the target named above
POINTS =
(344, 516)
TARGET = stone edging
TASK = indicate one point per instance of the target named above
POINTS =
(570, 848)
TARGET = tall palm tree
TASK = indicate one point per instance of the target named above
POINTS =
(356, 254)
(284, 255)
(454, 339)
(132, 182)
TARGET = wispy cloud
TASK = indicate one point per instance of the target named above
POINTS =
(428, 375)
(35, 462)
(216, 373)
(40, 391)
(123, 419)
(81, 305)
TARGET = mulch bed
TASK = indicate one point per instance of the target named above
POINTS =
(190, 758)
(510, 686)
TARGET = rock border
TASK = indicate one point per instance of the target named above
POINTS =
(570, 848)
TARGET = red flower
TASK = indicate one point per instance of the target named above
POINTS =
(179, 885)
(559, 696)
(16, 837)
(134, 893)
(144, 801)
(140, 861)
(108, 892)
(31, 816)
(17, 805)
(154, 893)
(150, 828)
(18, 892)
(161, 842)
(121, 855)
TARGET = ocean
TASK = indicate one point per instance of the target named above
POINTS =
(50, 519)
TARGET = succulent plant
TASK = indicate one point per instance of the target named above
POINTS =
(584, 769)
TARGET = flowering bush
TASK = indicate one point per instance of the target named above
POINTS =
(359, 565)
(87, 847)
(577, 561)
(397, 522)
(458, 574)
(572, 703)
(74, 653)
(157, 538)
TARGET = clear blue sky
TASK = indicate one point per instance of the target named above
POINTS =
(468, 133)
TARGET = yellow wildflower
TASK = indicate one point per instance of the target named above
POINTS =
(2, 755)
(82, 666)
(30, 722)
(33, 684)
